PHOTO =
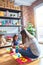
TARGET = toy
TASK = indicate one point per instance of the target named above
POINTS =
(23, 59)
(16, 50)
(9, 50)
(17, 55)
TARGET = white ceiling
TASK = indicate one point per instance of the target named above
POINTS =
(24, 2)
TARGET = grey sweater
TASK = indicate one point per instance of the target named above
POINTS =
(32, 42)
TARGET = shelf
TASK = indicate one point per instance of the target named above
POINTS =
(2, 17)
(10, 10)
(5, 46)
(10, 25)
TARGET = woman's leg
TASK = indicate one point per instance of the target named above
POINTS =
(23, 52)
(27, 53)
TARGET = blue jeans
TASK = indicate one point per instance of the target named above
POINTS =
(27, 53)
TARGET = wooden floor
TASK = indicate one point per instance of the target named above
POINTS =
(6, 59)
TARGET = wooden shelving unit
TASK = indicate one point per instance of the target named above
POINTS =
(3, 17)
(10, 25)
(11, 18)
(10, 10)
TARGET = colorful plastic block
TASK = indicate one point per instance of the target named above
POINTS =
(23, 60)
(17, 55)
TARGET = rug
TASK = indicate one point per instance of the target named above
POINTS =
(18, 57)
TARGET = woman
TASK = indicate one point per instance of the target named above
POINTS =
(30, 47)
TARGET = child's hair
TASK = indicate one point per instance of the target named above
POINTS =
(14, 37)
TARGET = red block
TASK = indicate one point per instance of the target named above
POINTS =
(23, 60)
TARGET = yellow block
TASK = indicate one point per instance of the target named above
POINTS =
(23, 59)
(18, 55)
(15, 56)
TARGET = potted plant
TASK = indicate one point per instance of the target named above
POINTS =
(31, 29)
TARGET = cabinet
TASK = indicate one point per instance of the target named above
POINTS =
(10, 21)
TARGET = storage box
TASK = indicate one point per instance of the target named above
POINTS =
(12, 3)
(7, 6)
(1, 13)
(2, 4)
(11, 7)
(17, 8)
(8, 3)
(5, 0)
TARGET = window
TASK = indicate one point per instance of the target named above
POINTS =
(38, 12)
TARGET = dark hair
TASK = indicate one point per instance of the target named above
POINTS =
(14, 37)
(23, 31)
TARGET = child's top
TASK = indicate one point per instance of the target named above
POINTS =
(15, 42)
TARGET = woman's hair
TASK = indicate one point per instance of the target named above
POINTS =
(14, 37)
(23, 31)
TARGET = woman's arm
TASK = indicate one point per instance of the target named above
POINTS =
(28, 34)
(23, 46)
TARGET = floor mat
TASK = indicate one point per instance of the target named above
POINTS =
(19, 58)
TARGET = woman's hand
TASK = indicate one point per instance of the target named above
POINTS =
(23, 47)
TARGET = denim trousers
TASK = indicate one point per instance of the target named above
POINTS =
(27, 53)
